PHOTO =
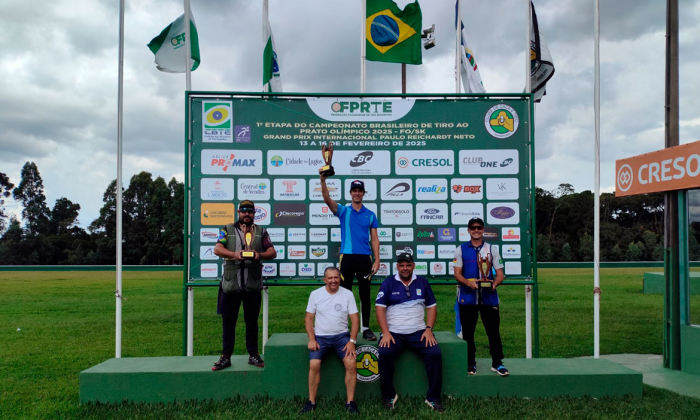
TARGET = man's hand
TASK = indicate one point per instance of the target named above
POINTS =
(236, 256)
(313, 345)
(350, 350)
(386, 340)
(428, 337)
(257, 255)
(472, 284)
(375, 268)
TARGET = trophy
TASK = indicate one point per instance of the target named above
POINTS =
(484, 264)
(247, 253)
(327, 152)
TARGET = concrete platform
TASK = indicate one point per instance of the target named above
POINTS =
(166, 379)
(654, 283)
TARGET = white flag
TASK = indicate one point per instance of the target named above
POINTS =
(272, 82)
(471, 79)
(541, 64)
(170, 49)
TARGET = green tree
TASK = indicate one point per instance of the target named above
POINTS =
(566, 253)
(585, 247)
(634, 251)
(5, 191)
(30, 193)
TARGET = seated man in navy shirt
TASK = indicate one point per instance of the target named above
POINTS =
(401, 305)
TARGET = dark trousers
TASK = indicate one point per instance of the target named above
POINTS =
(432, 359)
(356, 265)
(491, 318)
(229, 316)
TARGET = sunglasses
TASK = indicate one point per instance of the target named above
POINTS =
(246, 210)
(476, 228)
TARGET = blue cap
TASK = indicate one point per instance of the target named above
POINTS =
(357, 184)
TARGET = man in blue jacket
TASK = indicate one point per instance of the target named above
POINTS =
(474, 300)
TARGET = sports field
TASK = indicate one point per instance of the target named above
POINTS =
(55, 324)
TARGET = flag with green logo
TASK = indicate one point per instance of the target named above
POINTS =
(392, 34)
(170, 49)
(272, 82)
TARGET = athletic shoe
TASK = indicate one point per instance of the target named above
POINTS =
(308, 407)
(222, 363)
(256, 360)
(501, 370)
(369, 335)
(352, 407)
(471, 369)
(389, 404)
(435, 406)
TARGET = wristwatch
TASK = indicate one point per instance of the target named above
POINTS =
(353, 341)
(427, 326)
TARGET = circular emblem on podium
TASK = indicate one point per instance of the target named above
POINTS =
(367, 363)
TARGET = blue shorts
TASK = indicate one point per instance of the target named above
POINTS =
(327, 343)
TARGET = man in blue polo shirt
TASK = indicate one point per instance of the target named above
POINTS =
(358, 227)
(474, 300)
(402, 302)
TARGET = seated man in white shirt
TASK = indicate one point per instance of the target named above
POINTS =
(331, 305)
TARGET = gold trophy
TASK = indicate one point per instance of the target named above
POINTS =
(327, 152)
(484, 264)
(247, 253)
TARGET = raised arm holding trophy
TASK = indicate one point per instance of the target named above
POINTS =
(327, 152)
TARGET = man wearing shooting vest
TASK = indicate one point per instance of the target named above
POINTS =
(243, 246)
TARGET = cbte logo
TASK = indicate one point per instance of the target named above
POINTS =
(367, 363)
(501, 121)
(356, 107)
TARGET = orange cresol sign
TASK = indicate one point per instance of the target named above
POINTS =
(675, 168)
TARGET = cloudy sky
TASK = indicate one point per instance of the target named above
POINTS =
(58, 90)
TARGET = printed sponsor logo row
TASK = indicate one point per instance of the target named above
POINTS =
(361, 163)
(394, 189)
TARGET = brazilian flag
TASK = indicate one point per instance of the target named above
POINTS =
(393, 35)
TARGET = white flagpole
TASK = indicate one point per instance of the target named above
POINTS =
(596, 214)
(188, 83)
(458, 57)
(188, 45)
(363, 52)
(120, 107)
(528, 89)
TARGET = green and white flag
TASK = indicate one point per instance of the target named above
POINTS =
(170, 49)
(272, 82)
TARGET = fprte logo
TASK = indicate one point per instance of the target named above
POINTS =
(358, 107)
(501, 121)
(367, 363)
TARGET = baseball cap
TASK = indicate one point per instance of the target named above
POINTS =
(246, 205)
(405, 256)
(475, 221)
(357, 184)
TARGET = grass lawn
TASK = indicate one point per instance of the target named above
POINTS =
(67, 325)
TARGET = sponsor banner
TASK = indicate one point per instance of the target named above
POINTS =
(307, 269)
(383, 269)
(403, 235)
(281, 252)
(296, 235)
(503, 213)
(362, 163)
(467, 189)
(254, 189)
(296, 252)
(216, 189)
(446, 252)
(431, 189)
(432, 214)
(316, 194)
(396, 214)
(318, 235)
(370, 189)
(216, 122)
(318, 252)
(464, 235)
(359, 109)
(421, 269)
(400, 249)
(290, 189)
(288, 269)
(208, 234)
(385, 252)
(488, 162)
(513, 268)
(424, 162)
(217, 214)
(269, 269)
(384, 234)
(262, 214)
(209, 270)
(510, 234)
(490, 234)
(207, 253)
(511, 251)
(321, 214)
(293, 162)
(243, 133)
(321, 268)
(438, 268)
(425, 235)
(451, 268)
(289, 214)
(674, 168)
(335, 235)
(462, 212)
(276, 234)
(231, 162)
(396, 189)
(425, 252)
(502, 189)
(447, 234)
